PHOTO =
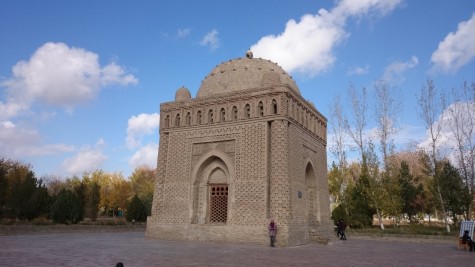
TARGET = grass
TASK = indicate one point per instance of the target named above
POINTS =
(108, 221)
(434, 230)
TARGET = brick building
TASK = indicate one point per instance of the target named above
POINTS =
(248, 148)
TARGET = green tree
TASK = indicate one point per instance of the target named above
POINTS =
(136, 210)
(67, 208)
(391, 204)
(411, 192)
(4, 166)
(360, 212)
(39, 203)
(371, 182)
(22, 186)
(454, 192)
(340, 213)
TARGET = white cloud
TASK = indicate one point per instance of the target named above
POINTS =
(8, 124)
(182, 33)
(60, 76)
(145, 156)
(307, 46)
(446, 142)
(140, 125)
(358, 70)
(393, 73)
(211, 40)
(18, 141)
(457, 49)
(88, 159)
(115, 74)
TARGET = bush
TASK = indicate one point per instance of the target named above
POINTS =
(339, 213)
(67, 208)
(38, 205)
(136, 210)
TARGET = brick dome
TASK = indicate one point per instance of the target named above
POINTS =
(244, 73)
(182, 94)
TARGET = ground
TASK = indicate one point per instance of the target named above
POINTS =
(105, 246)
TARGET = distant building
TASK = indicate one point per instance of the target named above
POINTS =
(248, 148)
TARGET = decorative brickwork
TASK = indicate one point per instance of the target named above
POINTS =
(235, 157)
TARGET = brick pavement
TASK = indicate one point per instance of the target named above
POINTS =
(133, 249)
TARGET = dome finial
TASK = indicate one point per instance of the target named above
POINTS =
(249, 54)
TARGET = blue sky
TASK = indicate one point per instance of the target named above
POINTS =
(81, 81)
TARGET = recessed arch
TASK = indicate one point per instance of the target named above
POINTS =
(235, 113)
(274, 106)
(212, 188)
(313, 202)
(260, 108)
(247, 111)
(222, 115)
(177, 120)
(188, 119)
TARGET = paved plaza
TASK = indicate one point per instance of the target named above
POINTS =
(133, 249)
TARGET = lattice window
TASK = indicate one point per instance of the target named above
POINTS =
(218, 204)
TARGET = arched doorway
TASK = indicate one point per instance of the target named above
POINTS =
(211, 192)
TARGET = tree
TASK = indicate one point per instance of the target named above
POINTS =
(54, 184)
(136, 210)
(387, 109)
(67, 208)
(460, 117)
(359, 107)
(39, 203)
(4, 166)
(22, 185)
(429, 111)
(360, 212)
(143, 184)
(411, 192)
(339, 213)
(391, 204)
(454, 192)
(335, 183)
(91, 197)
(337, 128)
(371, 182)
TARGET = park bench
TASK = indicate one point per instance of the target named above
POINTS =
(465, 225)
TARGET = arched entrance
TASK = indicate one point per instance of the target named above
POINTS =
(211, 191)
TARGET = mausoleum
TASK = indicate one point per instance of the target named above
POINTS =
(247, 149)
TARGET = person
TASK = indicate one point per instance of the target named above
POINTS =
(341, 226)
(468, 240)
(272, 232)
(119, 264)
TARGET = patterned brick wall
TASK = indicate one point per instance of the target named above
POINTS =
(263, 158)
(279, 172)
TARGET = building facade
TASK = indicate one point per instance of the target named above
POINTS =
(249, 148)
